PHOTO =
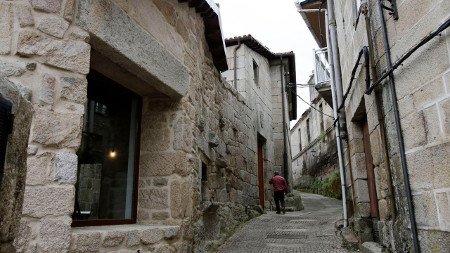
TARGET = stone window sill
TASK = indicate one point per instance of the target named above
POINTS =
(95, 238)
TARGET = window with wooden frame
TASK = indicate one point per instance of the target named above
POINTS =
(106, 189)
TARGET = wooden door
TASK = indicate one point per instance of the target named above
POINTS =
(261, 173)
(370, 172)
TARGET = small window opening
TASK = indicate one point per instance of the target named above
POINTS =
(308, 134)
(322, 127)
(300, 139)
(255, 72)
(204, 172)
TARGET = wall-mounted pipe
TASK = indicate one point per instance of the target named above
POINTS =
(403, 163)
(235, 63)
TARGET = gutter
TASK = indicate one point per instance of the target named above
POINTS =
(235, 63)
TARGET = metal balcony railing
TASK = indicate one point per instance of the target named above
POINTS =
(321, 67)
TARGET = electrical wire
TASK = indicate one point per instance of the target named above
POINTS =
(425, 40)
(310, 104)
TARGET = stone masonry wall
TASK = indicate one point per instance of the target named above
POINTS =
(49, 54)
(422, 90)
(308, 165)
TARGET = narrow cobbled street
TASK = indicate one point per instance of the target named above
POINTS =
(310, 230)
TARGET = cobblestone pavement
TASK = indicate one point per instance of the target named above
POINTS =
(310, 230)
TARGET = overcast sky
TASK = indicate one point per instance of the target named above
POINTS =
(278, 26)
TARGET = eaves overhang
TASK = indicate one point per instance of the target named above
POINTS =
(315, 21)
(213, 30)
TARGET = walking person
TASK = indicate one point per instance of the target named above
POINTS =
(279, 190)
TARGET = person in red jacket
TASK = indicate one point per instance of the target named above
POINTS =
(279, 189)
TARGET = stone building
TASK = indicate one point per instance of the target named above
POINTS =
(398, 133)
(125, 136)
(255, 72)
(313, 142)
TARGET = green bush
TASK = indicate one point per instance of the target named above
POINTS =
(330, 187)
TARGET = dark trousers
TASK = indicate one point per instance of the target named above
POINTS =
(279, 199)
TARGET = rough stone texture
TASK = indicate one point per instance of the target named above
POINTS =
(56, 129)
(47, 89)
(180, 199)
(152, 235)
(15, 168)
(113, 239)
(24, 14)
(41, 201)
(151, 60)
(66, 167)
(72, 55)
(11, 68)
(6, 24)
(69, 10)
(53, 25)
(38, 170)
(51, 6)
(74, 89)
(88, 242)
(54, 235)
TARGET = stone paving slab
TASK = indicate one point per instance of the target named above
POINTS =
(309, 230)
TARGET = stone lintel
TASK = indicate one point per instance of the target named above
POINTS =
(115, 35)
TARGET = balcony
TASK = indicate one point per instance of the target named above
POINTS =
(322, 74)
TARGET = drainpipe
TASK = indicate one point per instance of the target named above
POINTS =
(337, 127)
(336, 61)
(401, 146)
(235, 63)
(283, 103)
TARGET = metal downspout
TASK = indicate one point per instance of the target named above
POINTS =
(235, 63)
(399, 132)
(285, 167)
(336, 61)
(337, 125)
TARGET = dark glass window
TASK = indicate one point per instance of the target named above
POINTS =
(106, 184)
(255, 72)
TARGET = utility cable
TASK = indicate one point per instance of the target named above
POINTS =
(311, 105)
(425, 40)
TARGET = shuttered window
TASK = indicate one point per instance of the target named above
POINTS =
(5, 129)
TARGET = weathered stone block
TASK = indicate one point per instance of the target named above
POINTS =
(53, 25)
(442, 198)
(363, 209)
(359, 166)
(414, 130)
(113, 238)
(51, 6)
(143, 56)
(133, 238)
(54, 235)
(57, 129)
(47, 89)
(6, 24)
(180, 199)
(77, 33)
(161, 164)
(31, 42)
(86, 242)
(160, 215)
(65, 170)
(153, 198)
(361, 190)
(445, 110)
(74, 89)
(427, 166)
(69, 10)
(151, 235)
(425, 210)
(24, 15)
(11, 68)
(38, 168)
(55, 200)
(72, 55)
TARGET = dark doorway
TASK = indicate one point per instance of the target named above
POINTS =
(261, 172)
